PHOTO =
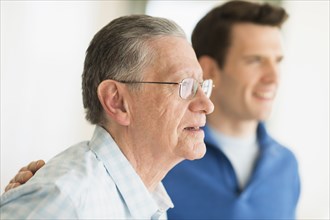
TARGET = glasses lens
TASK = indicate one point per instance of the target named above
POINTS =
(207, 87)
(188, 87)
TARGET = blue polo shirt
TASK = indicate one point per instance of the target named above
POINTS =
(208, 188)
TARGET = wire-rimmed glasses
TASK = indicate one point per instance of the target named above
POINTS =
(188, 86)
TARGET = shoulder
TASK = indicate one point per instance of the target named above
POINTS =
(279, 152)
(64, 187)
(73, 170)
(36, 201)
(272, 146)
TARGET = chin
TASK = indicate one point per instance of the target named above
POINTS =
(261, 114)
(197, 152)
(264, 116)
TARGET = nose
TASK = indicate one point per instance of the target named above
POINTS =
(201, 103)
(272, 73)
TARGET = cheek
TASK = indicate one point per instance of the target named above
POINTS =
(166, 130)
(166, 116)
(237, 88)
(161, 117)
(170, 118)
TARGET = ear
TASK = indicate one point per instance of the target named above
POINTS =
(210, 69)
(111, 96)
(209, 66)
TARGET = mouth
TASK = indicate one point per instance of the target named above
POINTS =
(193, 128)
(195, 132)
(265, 95)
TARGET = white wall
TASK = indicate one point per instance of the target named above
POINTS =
(301, 114)
(43, 46)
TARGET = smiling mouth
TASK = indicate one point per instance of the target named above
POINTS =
(265, 95)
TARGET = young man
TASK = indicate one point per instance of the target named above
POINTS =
(245, 174)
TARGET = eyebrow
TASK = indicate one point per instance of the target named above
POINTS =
(278, 57)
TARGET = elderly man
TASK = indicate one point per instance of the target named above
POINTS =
(137, 69)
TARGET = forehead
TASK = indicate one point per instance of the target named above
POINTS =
(248, 36)
(174, 59)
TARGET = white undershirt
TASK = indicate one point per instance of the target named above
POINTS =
(241, 152)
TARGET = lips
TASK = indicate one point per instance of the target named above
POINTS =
(265, 95)
(194, 131)
(192, 128)
(195, 124)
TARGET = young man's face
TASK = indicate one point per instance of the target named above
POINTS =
(249, 79)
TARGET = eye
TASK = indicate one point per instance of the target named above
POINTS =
(279, 59)
(254, 60)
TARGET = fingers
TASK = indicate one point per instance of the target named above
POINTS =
(40, 163)
(11, 186)
(24, 174)
(19, 179)
(23, 169)
(22, 177)
(34, 166)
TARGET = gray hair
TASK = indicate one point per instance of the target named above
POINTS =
(119, 51)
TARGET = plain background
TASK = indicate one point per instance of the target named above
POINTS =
(43, 45)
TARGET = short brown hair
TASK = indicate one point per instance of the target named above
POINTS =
(212, 34)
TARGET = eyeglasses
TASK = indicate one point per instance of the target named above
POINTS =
(188, 87)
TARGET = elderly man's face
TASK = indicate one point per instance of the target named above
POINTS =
(170, 125)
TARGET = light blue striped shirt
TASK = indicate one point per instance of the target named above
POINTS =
(91, 180)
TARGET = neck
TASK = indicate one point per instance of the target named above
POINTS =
(150, 164)
(232, 126)
(151, 168)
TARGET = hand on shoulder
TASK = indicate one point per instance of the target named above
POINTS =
(24, 174)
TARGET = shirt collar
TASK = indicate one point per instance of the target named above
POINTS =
(262, 136)
(225, 140)
(140, 202)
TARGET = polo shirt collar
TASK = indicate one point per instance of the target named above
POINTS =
(262, 135)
